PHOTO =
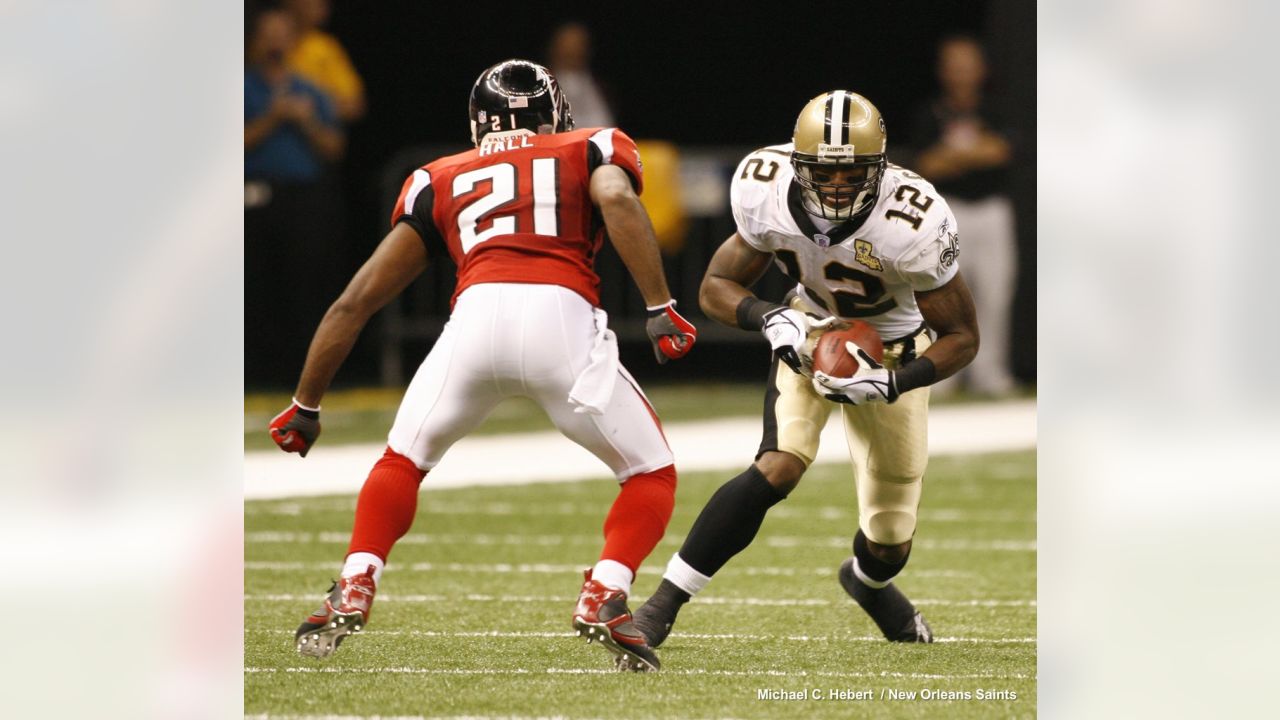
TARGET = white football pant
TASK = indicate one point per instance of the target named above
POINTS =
(522, 340)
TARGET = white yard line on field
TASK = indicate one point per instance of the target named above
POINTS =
(411, 717)
(840, 541)
(570, 569)
(752, 601)
(416, 717)
(501, 634)
(599, 671)
(550, 457)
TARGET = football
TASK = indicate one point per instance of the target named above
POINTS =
(831, 357)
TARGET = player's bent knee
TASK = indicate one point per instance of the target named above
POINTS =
(889, 527)
(407, 452)
(393, 459)
(782, 469)
(888, 506)
(663, 477)
(891, 554)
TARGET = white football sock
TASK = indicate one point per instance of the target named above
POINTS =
(614, 574)
(874, 584)
(684, 576)
(358, 564)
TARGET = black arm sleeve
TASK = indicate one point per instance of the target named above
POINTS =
(420, 218)
(751, 312)
(915, 374)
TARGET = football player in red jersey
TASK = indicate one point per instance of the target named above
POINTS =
(523, 216)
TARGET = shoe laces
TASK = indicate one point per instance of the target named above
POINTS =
(357, 591)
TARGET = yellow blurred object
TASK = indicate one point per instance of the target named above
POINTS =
(320, 58)
(662, 192)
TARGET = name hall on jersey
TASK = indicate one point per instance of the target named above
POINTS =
(493, 145)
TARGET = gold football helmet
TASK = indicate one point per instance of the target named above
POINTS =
(839, 155)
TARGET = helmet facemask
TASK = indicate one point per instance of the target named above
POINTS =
(838, 190)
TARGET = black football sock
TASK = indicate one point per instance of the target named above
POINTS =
(729, 522)
(669, 594)
(891, 611)
(872, 566)
(655, 618)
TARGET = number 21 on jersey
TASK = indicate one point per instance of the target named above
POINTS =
(503, 190)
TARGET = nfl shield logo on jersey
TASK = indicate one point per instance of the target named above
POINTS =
(822, 240)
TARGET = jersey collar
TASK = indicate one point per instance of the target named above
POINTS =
(501, 137)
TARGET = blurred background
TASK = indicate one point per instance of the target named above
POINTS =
(696, 92)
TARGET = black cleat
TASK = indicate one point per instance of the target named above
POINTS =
(656, 616)
(892, 612)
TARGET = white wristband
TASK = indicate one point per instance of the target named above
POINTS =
(304, 407)
(667, 304)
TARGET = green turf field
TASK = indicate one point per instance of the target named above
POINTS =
(472, 618)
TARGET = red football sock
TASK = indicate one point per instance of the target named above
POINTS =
(639, 516)
(387, 504)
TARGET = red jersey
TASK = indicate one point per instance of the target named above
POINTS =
(518, 209)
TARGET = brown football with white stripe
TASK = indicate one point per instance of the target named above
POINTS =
(831, 357)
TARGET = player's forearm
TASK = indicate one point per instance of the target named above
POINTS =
(398, 259)
(950, 353)
(632, 235)
(950, 312)
(329, 348)
(720, 298)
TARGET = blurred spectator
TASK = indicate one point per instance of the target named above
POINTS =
(966, 153)
(292, 220)
(289, 126)
(569, 59)
(320, 58)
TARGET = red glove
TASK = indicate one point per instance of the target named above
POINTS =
(296, 429)
(672, 336)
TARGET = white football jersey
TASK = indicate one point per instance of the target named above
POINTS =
(909, 242)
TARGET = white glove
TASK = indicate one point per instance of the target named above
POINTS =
(788, 332)
(870, 384)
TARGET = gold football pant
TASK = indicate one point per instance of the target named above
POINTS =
(888, 444)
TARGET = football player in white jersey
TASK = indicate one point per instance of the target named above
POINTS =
(862, 239)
